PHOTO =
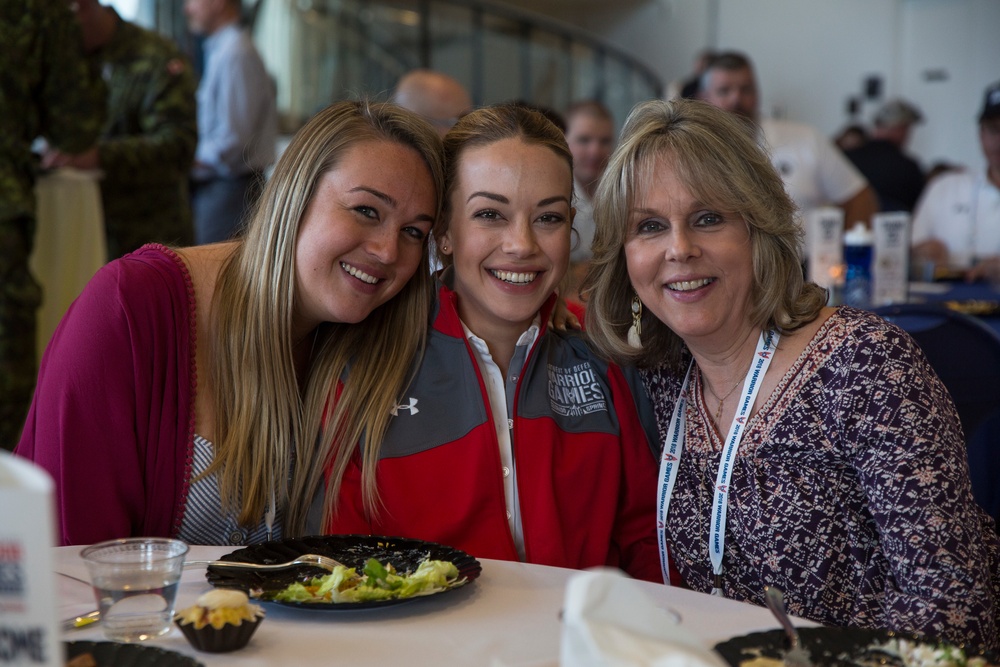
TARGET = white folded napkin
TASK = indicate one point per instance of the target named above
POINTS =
(608, 621)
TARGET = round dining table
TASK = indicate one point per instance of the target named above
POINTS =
(508, 617)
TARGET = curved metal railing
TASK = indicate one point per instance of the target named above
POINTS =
(324, 50)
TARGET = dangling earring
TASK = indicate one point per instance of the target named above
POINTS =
(635, 331)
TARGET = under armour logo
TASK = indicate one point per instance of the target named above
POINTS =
(412, 407)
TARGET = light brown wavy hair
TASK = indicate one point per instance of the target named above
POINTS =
(267, 417)
(716, 156)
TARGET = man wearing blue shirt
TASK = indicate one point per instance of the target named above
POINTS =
(237, 120)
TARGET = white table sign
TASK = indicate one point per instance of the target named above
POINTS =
(825, 231)
(890, 268)
(29, 632)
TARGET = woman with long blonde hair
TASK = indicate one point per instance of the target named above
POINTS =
(183, 391)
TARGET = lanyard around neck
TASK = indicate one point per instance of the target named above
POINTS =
(673, 448)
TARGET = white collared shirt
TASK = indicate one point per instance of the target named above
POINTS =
(962, 210)
(237, 107)
(501, 396)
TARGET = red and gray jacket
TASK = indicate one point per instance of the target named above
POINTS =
(581, 434)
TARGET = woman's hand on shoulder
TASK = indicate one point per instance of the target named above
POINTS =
(563, 317)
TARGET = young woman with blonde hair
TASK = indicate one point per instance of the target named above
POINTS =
(184, 389)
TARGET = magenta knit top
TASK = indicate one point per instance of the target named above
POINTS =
(113, 414)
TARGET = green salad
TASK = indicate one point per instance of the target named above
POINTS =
(918, 654)
(375, 582)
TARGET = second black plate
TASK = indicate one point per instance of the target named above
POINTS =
(404, 554)
(828, 647)
(115, 654)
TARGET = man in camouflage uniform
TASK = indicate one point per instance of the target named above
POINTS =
(147, 146)
(46, 89)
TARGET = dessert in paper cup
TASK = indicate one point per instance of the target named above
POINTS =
(221, 620)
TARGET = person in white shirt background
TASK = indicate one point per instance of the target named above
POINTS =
(957, 221)
(237, 121)
(814, 170)
(590, 133)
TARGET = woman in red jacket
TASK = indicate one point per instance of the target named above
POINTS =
(514, 441)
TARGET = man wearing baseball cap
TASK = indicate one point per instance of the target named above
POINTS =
(957, 221)
(896, 177)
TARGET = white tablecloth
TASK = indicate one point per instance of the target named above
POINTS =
(70, 243)
(508, 616)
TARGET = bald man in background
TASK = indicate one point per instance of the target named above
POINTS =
(439, 98)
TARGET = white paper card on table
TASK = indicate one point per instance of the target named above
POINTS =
(29, 628)
(608, 621)
(825, 227)
(890, 267)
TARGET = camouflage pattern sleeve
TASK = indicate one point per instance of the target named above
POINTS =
(72, 91)
(152, 130)
(46, 89)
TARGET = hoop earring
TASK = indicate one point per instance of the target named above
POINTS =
(635, 331)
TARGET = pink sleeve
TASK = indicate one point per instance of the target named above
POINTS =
(111, 412)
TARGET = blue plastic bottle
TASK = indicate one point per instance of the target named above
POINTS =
(858, 260)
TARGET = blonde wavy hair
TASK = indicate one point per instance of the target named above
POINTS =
(716, 156)
(267, 417)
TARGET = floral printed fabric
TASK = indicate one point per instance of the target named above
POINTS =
(850, 492)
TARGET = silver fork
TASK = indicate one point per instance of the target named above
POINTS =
(315, 560)
(796, 655)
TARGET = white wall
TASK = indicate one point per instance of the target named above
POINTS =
(809, 60)
(950, 53)
(812, 55)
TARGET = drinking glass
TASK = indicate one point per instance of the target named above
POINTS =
(135, 582)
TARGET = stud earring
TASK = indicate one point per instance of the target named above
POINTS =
(635, 331)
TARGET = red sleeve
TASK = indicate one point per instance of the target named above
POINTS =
(635, 527)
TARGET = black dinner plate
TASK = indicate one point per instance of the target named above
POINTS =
(404, 554)
(828, 647)
(115, 654)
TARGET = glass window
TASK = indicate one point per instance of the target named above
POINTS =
(453, 37)
(503, 59)
(551, 85)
